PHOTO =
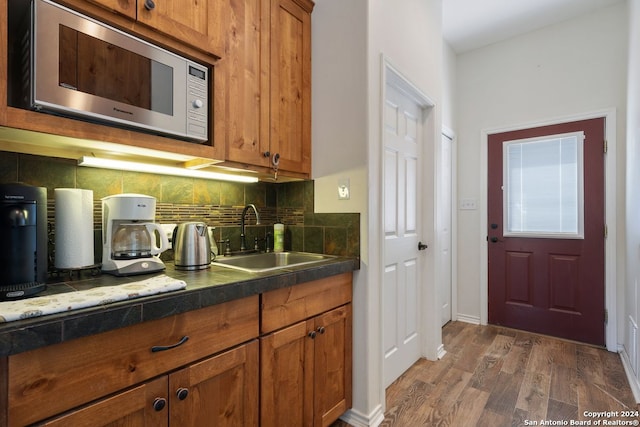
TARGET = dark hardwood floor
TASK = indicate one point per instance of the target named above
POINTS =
(493, 376)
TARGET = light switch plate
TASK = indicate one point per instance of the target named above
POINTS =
(467, 204)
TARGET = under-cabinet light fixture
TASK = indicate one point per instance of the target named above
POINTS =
(99, 162)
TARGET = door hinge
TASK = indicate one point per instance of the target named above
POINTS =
(606, 316)
(606, 231)
(605, 146)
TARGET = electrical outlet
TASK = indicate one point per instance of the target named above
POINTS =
(344, 192)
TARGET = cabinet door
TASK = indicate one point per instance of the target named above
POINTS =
(290, 70)
(287, 377)
(332, 395)
(219, 391)
(144, 405)
(192, 21)
(241, 118)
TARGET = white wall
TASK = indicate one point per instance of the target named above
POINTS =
(576, 67)
(339, 143)
(449, 64)
(632, 299)
(348, 40)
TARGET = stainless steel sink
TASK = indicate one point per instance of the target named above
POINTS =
(256, 263)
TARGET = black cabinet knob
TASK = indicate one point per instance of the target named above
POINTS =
(149, 4)
(312, 335)
(321, 330)
(159, 403)
(182, 393)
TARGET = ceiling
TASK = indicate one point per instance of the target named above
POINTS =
(470, 24)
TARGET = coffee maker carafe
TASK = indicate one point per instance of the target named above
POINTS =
(129, 235)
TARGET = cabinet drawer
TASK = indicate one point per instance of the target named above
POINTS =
(282, 307)
(53, 379)
(133, 407)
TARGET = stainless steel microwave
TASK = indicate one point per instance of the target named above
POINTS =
(73, 65)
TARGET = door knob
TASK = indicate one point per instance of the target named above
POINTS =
(494, 240)
(422, 246)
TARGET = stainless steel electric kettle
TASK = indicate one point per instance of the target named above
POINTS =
(191, 246)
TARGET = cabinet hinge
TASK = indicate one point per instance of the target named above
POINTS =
(605, 146)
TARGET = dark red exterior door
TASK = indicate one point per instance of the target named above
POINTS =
(540, 283)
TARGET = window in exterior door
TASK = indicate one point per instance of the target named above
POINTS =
(543, 193)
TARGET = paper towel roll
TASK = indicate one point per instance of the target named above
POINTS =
(74, 228)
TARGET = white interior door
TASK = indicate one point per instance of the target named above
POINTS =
(445, 212)
(403, 123)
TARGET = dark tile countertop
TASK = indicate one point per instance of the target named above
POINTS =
(214, 285)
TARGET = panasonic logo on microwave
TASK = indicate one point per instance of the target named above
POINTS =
(122, 111)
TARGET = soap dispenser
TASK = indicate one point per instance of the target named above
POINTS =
(278, 237)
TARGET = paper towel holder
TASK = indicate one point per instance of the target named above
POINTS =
(74, 239)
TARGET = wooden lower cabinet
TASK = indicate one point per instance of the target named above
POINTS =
(135, 407)
(332, 368)
(219, 391)
(306, 371)
(282, 358)
(57, 380)
(306, 352)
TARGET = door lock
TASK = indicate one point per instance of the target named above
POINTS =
(422, 246)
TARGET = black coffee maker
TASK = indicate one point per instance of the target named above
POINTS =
(23, 240)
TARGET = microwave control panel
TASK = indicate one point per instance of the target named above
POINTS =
(197, 101)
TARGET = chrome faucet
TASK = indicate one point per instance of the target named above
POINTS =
(243, 241)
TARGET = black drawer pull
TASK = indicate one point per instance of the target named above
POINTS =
(159, 403)
(157, 348)
(182, 393)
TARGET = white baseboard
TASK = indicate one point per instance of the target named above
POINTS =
(469, 319)
(633, 380)
(358, 419)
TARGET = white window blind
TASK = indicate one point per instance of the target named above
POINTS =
(543, 186)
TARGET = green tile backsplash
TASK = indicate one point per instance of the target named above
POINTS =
(218, 203)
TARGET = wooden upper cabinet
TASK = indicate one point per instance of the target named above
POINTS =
(263, 85)
(124, 7)
(240, 112)
(290, 71)
(194, 22)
